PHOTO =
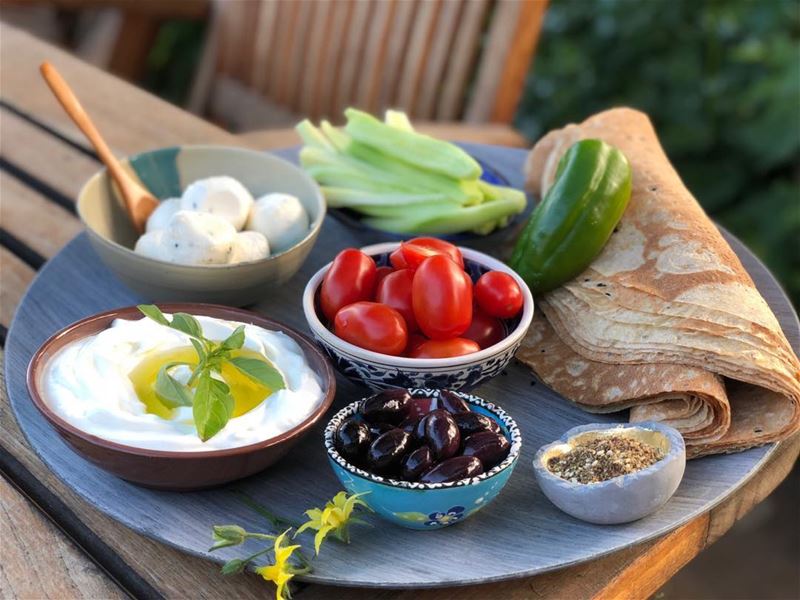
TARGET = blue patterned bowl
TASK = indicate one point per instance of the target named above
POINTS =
(381, 371)
(426, 506)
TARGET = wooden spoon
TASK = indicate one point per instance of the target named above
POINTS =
(139, 203)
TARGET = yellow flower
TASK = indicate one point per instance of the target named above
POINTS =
(281, 572)
(333, 519)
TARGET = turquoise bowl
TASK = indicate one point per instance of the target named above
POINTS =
(426, 506)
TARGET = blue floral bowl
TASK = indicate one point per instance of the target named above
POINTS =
(381, 371)
(427, 506)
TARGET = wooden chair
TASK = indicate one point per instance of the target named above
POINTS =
(270, 62)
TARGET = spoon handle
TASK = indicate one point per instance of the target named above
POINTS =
(73, 108)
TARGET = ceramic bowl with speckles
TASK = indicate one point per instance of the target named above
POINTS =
(621, 499)
(166, 172)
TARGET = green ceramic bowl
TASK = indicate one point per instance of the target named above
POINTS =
(166, 172)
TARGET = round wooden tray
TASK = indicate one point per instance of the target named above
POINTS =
(520, 534)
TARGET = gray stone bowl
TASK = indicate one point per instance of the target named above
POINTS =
(166, 172)
(621, 499)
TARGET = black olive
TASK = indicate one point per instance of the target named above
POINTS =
(491, 448)
(472, 422)
(352, 440)
(452, 402)
(453, 469)
(441, 434)
(388, 406)
(416, 463)
(387, 451)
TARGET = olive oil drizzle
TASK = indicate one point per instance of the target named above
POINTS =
(247, 392)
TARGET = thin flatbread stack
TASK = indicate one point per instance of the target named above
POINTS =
(665, 321)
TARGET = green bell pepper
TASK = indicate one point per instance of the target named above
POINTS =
(578, 214)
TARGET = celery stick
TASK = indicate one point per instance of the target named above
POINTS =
(385, 170)
(431, 209)
(455, 221)
(337, 137)
(311, 136)
(336, 176)
(398, 119)
(350, 198)
(413, 148)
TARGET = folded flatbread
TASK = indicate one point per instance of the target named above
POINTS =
(665, 321)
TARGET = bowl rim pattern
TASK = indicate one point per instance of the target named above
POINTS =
(313, 229)
(77, 330)
(513, 454)
(677, 447)
(400, 362)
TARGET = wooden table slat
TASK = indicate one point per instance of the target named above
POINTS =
(41, 562)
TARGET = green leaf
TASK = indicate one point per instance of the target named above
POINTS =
(235, 340)
(187, 324)
(153, 312)
(169, 390)
(262, 371)
(201, 352)
(213, 405)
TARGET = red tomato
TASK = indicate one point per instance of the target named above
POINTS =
(441, 295)
(350, 278)
(498, 294)
(373, 326)
(416, 250)
(484, 329)
(397, 259)
(444, 348)
(395, 291)
(380, 274)
(414, 340)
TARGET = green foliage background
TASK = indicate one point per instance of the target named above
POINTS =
(721, 81)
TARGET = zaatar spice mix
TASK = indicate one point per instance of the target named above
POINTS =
(604, 458)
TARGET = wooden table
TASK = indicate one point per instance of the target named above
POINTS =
(54, 544)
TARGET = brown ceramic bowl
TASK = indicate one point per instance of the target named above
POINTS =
(163, 469)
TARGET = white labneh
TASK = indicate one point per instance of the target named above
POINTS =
(87, 383)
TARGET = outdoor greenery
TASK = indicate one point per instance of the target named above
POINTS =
(721, 81)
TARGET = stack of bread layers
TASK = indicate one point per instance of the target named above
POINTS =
(665, 321)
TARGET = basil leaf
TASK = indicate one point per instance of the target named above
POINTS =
(235, 340)
(153, 312)
(201, 352)
(212, 407)
(262, 371)
(169, 390)
(187, 324)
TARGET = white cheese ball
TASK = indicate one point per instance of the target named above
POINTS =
(249, 246)
(196, 238)
(221, 196)
(152, 245)
(281, 219)
(159, 218)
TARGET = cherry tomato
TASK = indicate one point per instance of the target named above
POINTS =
(350, 278)
(397, 259)
(395, 291)
(444, 348)
(441, 295)
(498, 294)
(372, 326)
(380, 274)
(414, 340)
(484, 329)
(416, 250)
